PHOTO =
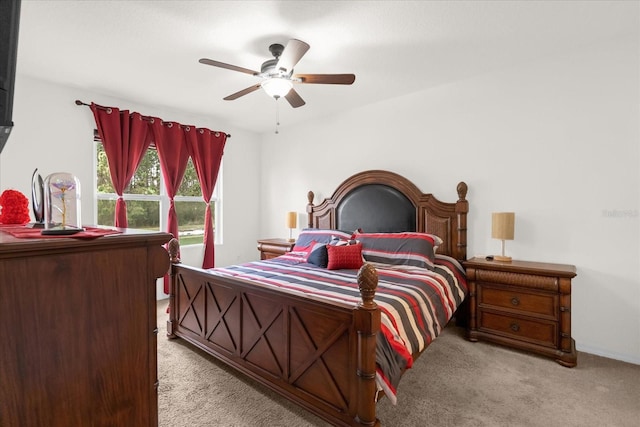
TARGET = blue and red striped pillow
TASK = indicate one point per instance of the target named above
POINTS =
(319, 235)
(408, 248)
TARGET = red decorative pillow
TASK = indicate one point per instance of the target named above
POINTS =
(348, 256)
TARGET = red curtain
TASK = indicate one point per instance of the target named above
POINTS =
(206, 148)
(125, 138)
(173, 155)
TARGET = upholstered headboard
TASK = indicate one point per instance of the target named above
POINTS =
(383, 201)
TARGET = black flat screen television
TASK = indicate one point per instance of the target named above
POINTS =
(9, 22)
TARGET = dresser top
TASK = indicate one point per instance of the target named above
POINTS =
(12, 246)
(517, 266)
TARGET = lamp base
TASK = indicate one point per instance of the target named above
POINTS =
(502, 258)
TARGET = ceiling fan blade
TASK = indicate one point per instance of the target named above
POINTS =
(294, 99)
(227, 66)
(292, 53)
(242, 92)
(332, 79)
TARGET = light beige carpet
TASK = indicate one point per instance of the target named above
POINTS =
(454, 383)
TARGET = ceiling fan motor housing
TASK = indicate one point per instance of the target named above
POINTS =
(268, 68)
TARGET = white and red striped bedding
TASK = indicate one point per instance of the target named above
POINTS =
(415, 303)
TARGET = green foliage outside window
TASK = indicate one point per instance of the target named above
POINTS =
(142, 214)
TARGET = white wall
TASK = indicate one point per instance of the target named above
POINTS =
(52, 134)
(555, 141)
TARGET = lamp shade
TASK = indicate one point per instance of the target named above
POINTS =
(502, 225)
(292, 219)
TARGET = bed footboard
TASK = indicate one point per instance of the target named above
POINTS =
(317, 353)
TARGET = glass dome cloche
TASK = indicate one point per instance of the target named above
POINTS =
(62, 203)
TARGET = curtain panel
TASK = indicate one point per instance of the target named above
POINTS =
(206, 149)
(169, 140)
(125, 137)
(173, 155)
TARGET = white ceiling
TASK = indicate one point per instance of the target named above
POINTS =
(148, 51)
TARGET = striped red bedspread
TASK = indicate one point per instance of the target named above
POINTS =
(415, 303)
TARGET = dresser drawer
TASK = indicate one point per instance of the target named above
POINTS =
(537, 304)
(530, 330)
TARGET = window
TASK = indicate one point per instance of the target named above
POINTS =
(148, 204)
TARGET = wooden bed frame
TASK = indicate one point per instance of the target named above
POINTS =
(317, 353)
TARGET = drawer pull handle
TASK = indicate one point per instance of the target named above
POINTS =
(515, 301)
(515, 327)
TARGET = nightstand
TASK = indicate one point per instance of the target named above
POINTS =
(271, 248)
(524, 305)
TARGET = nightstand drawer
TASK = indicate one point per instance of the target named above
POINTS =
(537, 304)
(536, 332)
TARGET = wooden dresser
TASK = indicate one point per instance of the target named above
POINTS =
(78, 328)
(271, 248)
(524, 305)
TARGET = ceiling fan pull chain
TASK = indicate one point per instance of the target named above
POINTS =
(277, 114)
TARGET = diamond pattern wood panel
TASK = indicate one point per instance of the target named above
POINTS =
(305, 349)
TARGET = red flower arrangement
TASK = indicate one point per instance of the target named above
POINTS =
(14, 208)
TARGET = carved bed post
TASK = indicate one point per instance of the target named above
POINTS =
(462, 208)
(463, 314)
(310, 197)
(367, 326)
(174, 256)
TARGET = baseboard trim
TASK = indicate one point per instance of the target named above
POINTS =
(608, 354)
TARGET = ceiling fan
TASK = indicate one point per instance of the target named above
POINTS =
(277, 74)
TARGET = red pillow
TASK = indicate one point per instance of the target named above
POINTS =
(349, 256)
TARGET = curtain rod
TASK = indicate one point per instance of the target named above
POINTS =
(147, 118)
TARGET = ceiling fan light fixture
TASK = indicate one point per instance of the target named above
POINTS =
(277, 87)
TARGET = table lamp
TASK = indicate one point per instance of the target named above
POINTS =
(502, 227)
(292, 222)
